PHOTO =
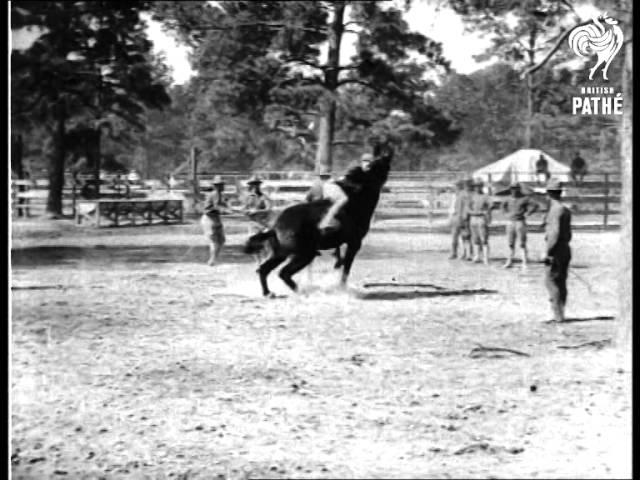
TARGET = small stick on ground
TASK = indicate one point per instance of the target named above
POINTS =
(477, 351)
(407, 285)
(595, 343)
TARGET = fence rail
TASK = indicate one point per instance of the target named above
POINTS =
(407, 195)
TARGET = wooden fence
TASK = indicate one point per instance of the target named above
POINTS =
(419, 198)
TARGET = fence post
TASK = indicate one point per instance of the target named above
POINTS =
(73, 199)
(606, 200)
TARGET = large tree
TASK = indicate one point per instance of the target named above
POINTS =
(91, 62)
(266, 60)
(489, 107)
(520, 33)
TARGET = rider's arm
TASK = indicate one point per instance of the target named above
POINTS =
(353, 178)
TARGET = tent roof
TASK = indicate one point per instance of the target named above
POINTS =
(521, 166)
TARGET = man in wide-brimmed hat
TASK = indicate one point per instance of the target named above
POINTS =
(479, 220)
(257, 205)
(517, 208)
(558, 252)
(214, 205)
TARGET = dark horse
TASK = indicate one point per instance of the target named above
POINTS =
(295, 234)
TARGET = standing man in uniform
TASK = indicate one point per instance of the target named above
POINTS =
(558, 252)
(517, 208)
(542, 170)
(578, 168)
(215, 204)
(460, 221)
(479, 220)
(257, 205)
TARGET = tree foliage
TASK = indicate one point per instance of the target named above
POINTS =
(90, 65)
(265, 62)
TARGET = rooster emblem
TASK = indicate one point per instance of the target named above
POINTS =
(603, 37)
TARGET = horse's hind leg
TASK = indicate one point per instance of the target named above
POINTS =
(265, 268)
(350, 254)
(297, 263)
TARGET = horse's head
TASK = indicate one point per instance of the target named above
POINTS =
(380, 167)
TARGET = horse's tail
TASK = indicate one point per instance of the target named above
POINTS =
(256, 241)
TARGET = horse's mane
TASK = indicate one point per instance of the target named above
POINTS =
(379, 171)
(362, 205)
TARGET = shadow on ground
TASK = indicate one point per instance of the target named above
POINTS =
(391, 295)
(584, 319)
(114, 254)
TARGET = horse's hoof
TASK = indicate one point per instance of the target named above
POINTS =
(269, 295)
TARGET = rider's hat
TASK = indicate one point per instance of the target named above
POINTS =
(254, 180)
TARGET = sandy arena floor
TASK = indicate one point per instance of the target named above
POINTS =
(133, 359)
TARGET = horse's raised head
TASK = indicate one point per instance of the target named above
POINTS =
(383, 153)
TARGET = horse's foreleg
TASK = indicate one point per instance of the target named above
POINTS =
(310, 273)
(336, 253)
(350, 254)
(265, 269)
(297, 263)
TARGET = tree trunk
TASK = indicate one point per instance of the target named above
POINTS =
(56, 168)
(531, 52)
(94, 148)
(324, 157)
(324, 154)
(193, 156)
(626, 147)
(527, 128)
(17, 164)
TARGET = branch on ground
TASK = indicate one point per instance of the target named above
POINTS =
(480, 349)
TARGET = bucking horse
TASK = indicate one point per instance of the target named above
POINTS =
(295, 235)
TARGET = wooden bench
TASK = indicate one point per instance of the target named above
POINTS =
(129, 211)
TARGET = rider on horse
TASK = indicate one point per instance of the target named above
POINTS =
(341, 190)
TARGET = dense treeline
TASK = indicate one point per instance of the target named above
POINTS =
(264, 96)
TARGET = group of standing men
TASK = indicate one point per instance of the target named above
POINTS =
(470, 219)
(471, 216)
(256, 206)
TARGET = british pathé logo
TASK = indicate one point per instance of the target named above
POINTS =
(597, 101)
(603, 37)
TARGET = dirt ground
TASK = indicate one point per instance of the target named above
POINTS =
(131, 358)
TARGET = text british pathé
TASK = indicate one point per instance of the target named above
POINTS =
(597, 101)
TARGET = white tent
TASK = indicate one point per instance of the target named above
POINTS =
(520, 166)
